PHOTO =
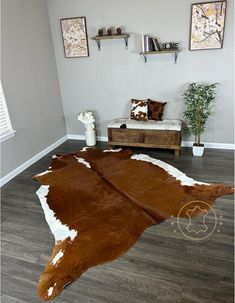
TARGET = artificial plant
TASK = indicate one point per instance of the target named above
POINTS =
(199, 101)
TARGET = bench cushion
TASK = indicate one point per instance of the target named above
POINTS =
(150, 124)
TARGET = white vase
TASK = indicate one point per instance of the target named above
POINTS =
(198, 151)
(90, 137)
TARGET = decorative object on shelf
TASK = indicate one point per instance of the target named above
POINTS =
(175, 45)
(118, 31)
(74, 34)
(97, 39)
(100, 32)
(88, 120)
(199, 101)
(166, 45)
(170, 45)
(207, 25)
(109, 31)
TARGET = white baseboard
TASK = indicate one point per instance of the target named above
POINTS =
(76, 137)
(31, 161)
(102, 139)
(184, 143)
(210, 145)
(82, 137)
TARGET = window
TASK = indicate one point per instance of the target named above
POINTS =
(6, 130)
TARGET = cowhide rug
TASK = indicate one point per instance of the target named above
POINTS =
(98, 203)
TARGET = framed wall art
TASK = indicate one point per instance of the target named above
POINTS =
(74, 35)
(207, 25)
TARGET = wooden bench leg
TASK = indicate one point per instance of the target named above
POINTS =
(177, 152)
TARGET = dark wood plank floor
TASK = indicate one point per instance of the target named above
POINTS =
(163, 266)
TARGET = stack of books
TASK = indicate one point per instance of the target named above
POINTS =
(150, 44)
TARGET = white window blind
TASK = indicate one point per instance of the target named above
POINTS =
(5, 123)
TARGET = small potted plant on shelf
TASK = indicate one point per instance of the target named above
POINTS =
(199, 101)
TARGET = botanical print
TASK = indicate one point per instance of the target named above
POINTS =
(207, 27)
(75, 37)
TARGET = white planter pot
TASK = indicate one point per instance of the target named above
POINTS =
(198, 151)
(90, 137)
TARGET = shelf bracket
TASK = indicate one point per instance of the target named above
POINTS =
(175, 57)
(98, 43)
(145, 58)
(126, 42)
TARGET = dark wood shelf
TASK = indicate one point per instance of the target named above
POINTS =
(109, 37)
(174, 52)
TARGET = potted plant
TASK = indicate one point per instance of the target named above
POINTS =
(199, 101)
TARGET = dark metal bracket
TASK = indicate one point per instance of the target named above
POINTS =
(145, 58)
(175, 55)
(98, 44)
(126, 42)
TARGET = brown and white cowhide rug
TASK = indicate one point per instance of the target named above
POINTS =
(98, 203)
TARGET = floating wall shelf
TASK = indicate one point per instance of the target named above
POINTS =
(106, 37)
(168, 51)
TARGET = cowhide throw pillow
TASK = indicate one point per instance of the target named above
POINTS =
(155, 109)
(139, 110)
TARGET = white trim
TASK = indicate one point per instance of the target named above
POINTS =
(31, 161)
(183, 144)
(102, 138)
(7, 135)
(82, 137)
(210, 145)
(76, 137)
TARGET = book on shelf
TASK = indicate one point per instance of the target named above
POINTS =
(149, 44)
(146, 43)
(143, 43)
(156, 44)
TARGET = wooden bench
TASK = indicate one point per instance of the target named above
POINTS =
(155, 134)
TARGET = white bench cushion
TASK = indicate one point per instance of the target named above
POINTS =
(150, 124)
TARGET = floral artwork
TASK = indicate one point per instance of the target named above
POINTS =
(74, 37)
(207, 26)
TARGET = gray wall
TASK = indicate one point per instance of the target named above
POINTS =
(30, 81)
(107, 80)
